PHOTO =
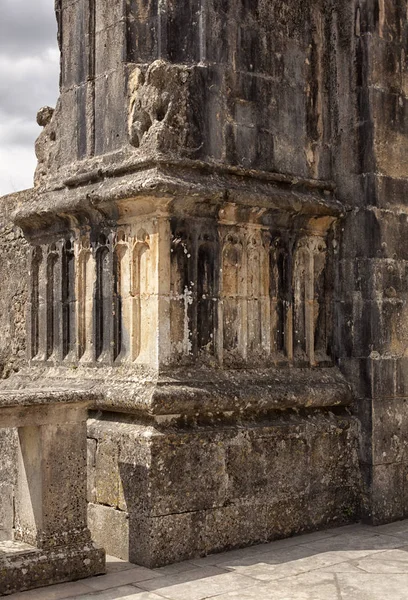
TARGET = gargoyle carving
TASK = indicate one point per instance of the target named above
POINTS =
(44, 143)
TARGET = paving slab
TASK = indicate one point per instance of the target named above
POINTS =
(76, 589)
(292, 562)
(197, 584)
(391, 561)
(350, 563)
(111, 580)
(316, 586)
(398, 528)
(114, 564)
(367, 586)
(127, 592)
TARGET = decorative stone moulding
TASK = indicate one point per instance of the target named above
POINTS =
(232, 293)
(233, 286)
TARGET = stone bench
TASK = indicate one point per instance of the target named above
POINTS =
(52, 542)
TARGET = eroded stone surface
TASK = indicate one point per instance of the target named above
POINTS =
(23, 569)
(214, 254)
(52, 543)
(246, 491)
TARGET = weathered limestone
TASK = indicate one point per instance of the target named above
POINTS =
(371, 296)
(215, 255)
(182, 493)
(51, 511)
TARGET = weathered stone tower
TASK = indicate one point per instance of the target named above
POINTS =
(216, 260)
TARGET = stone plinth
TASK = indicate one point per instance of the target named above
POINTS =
(52, 541)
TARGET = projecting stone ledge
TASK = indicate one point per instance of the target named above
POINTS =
(101, 193)
(190, 391)
(52, 541)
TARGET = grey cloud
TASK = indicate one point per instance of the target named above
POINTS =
(26, 26)
(29, 65)
(27, 84)
(18, 132)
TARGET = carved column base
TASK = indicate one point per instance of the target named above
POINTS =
(24, 568)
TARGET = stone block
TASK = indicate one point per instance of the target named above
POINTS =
(143, 31)
(368, 278)
(385, 63)
(401, 367)
(107, 14)
(183, 32)
(358, 373)
(235, 526)
(257, 462)
(68, 139)
(32, 568)
(405, 490)
(383, 377)
(366, 326)
(355, 245)
(286, 516)
(6, 511)
(386, 501)
(109, 49)
(176, 461)
(392, 281)
(8, 453)
(133, 468)
(76, 66)
(390, 146)
(391, 226)
(107, 473)
(332, 506)
(343, 339)
(217, 46)
(91, 464)
(110, 530)
(52, 477)
(333, 457)
(363, 412)
(391, 192)
(390, 423)
(110, 112)
(158, 541)
(64, 478)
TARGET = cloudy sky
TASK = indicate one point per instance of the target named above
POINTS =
(29, 65)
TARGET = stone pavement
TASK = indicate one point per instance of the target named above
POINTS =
(356, 562)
